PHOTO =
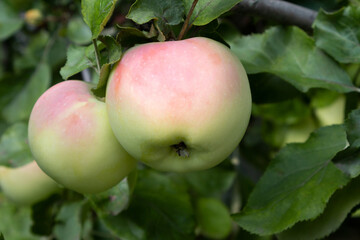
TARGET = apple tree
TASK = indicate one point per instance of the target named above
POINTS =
(188, 119)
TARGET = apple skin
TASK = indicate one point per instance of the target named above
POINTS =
(300, 132)
(72, 141)
(27, 184)
(213, 218)
(191, 94)
(334, 113)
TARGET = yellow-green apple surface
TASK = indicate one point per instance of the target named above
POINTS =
(179, 105)
(333, 113)
(213, 218)
(72, 141)
(27, 184)
(299, 132)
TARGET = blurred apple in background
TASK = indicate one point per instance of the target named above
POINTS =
(333, 113)
(300, 132)
(27, 184)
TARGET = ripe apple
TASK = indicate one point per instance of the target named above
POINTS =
(27, 184)
(72, 141)
(179, 105)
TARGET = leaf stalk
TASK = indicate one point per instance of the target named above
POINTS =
(97, 55)
(187, 20)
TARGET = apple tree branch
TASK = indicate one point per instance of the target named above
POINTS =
(280, 11)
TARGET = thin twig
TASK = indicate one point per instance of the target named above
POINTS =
(280, 11)
(186, 23)
(97, 55)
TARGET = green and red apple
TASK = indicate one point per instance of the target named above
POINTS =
(179, 105)
(72, 141)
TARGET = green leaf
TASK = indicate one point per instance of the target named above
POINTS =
(338, 208)
(163, 31)
(322, 98)
(44, 214)
(100, 90)
(208, 10)
(168, 11)
(158, 200)
(15, 222)
(297, 184)
(213, 218)
(123, 227)
(112, 54)
(210, 183)
(338, 33)
(78, 59)
(268, 88)
(32, 53)
(292, 55)
(286, 112)
(112, 201)
(10, 21)
(10, 88)
(69, 224)
(129, 36)
(349, 159)
(14, 148)
(209, 31)
(2, 59)
(21, 105)
(96, 14)
(352, 125)
(165, 13)
(42, 47)
(78, 31)
(113, 49)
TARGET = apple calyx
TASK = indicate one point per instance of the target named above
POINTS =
(181, 149)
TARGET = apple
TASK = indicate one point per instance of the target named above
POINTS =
(300, 132)
(72, 141)
(179, 105)
(333, 113)
(213, 218)
(33, 17)
(27, 184)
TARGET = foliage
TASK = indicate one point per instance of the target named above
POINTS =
(276, 183)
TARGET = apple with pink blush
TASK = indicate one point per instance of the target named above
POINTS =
(179, 105)
(72, 141)
(175, 106)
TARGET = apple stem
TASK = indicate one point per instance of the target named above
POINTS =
(187, 20)
(181, 149)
